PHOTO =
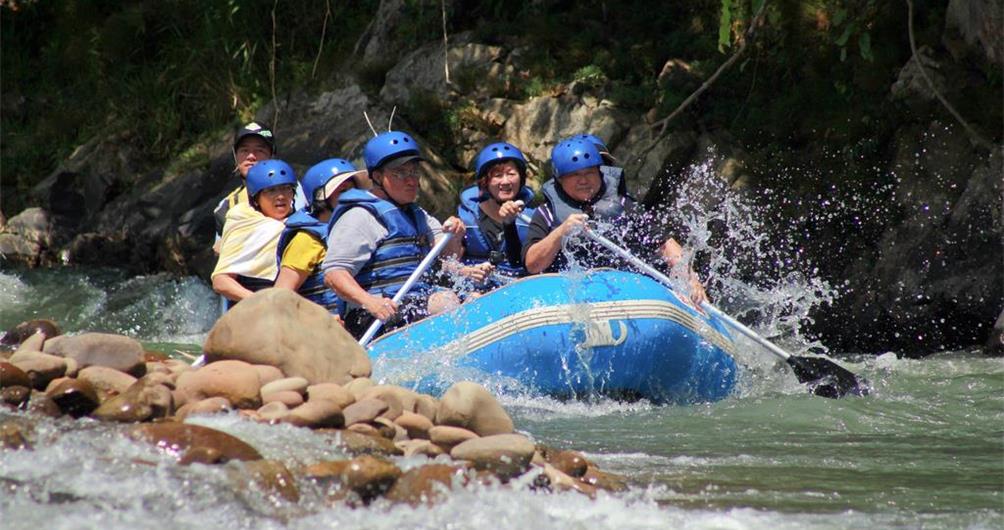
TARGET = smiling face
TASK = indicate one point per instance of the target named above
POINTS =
(276, 202)
(250, 151)
(582, 185)
(401, 183)
(502, 181)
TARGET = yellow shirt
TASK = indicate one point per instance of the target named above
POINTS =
(303, 253)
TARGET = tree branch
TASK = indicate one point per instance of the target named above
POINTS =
(271, 72)
(974, 135)
(663, 123)
(446, 45)
(320, 45)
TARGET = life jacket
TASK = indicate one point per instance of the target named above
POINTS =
(616, 173)
(610, 204)
(313, 287)
(477, 246)
(398, 254)
(232, 199)
(251, 284)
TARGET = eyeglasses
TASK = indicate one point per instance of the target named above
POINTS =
(401, 175)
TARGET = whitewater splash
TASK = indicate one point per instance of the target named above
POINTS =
(158, 308)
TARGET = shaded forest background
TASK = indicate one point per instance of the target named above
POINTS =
(816, 76)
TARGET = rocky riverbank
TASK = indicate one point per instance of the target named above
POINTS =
(278, 359)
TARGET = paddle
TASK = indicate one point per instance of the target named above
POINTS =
(823, 377)
(408, 284)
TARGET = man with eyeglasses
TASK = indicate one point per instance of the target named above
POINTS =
(378, 238)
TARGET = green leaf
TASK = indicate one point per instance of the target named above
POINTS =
(843, 54)
(725, 26)
(839, 17)
(865, 46)
(842, 40)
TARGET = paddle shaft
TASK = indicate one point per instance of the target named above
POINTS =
(662, 278)
(825, 378)
(408, 284)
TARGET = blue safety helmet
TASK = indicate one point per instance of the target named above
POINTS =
(601, 146)
(268, 174)
(320, 173)
(389, 146)
(573, 154)
(499, 152)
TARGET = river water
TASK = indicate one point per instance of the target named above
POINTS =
(925, 450)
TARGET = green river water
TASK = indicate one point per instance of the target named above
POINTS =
(925, 450)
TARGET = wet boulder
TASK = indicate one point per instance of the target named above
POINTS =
(35, 342)
(295, 384)
(237, 381)
(108, 382)
(419, 447)
(146, 399)
(11, 375)
(470, 406)
(503, 454)
(364, 410)
(603, 480)
(416, 425)
(16, 433)
(281, 328)
(286, 397)
(331, 392)
(101, 349)
(319, 413)
(356, 443)
(27, 237)
(179, 439)
(561, 481)
(273, 411)
(358, 386)
(268, 476)
(41, 404)
(75, 397)
(571, 463)
(213, 405)
(40, 367)
(367, 475)
(446, 436)
(15, 396)
(268, 374)
(426, 484)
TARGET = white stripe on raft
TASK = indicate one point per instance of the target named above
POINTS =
(574, 313)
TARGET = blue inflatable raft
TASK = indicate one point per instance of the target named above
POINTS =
(603, 332)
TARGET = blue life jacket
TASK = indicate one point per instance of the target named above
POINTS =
(610, 205)
(398, 254)
(313, 287)
(478, 246)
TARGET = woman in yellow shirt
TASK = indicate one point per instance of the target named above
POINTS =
(247, 249)
(303, 243)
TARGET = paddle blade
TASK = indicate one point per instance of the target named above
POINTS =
(826, 378)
